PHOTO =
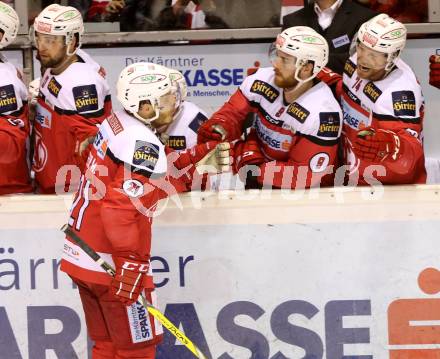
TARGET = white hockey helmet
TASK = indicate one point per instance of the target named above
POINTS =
(60, 20)
(305, 44)
(143, 81)
(9, 23)
(384, 34)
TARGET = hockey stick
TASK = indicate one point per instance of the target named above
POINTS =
(142, 300)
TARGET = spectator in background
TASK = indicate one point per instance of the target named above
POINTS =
(98, 10)
(337, 20)
(187, 14)
(402, 10)
(14, 122)
(434, 71)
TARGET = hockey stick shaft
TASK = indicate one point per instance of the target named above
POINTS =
(150, 308)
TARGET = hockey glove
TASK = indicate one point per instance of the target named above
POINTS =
(332, 79)
(217, 160)
(376, 145)
(130, 279)
(434, 71)
(247, 153)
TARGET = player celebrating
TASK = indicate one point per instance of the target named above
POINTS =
(294, 139)
(14, 123)
(127, 173)
(73, 97)
(383, 108)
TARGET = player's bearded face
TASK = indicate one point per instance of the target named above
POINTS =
(167, 106)
(370, 64)
(284, 68)
(52, 50)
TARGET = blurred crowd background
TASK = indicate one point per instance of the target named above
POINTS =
(150, 15)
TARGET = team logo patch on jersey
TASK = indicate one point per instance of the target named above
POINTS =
(262, 88)
(298, 112)
(115, 124)
(177, 142)
(86, 98)
(54, 87)
(197, 122)
(146, 154)
(140, 325)
(349, 68)
(329, 124)
(372, 91)
(133, 188)
(8, 100)
(404, 103)
(43, 117)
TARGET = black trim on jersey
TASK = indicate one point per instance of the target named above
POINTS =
(353, 97)
(272, 121)
(415, 120)
(61, 111)
(319, 141)
(134, 169)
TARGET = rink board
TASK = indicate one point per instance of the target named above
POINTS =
(266, 275)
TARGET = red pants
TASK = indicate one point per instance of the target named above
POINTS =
(119, 331)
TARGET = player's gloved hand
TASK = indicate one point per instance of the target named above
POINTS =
(33, 90)
(247, 153)
(211, 131)
(376, 145)
(329, 76)
(217, 160)
(130, 278)
(434, 71)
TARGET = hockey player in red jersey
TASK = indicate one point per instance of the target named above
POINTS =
(383, 108)
(434, 71)
(127, 173)
(293, 141)
(73, 99)
(14, 123)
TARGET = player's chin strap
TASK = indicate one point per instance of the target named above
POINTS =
(148, 306)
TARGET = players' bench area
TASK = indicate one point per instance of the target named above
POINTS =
(345, 271)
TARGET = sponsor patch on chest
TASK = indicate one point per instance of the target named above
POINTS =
(177, 142)
(404, 103)
(298, 112)
(8, 100)
(329, 124)
(145, 154)
(54, 87)
(349, 68)
(86, 98)
(262, 88)
(372, 91)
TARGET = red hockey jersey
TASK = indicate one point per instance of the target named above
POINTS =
(69, 108)
(394, 103)
(299, 140)
(127, 173)
(14, 131)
